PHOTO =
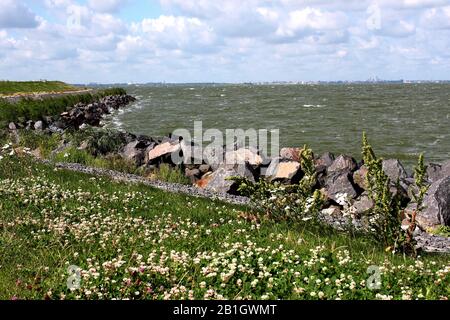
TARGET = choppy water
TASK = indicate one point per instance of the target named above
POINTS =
(401, 120)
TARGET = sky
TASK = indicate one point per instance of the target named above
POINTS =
(111, 41)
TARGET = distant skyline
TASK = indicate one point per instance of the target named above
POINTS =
(234, 41)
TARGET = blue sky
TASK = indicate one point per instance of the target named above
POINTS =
(223, 41)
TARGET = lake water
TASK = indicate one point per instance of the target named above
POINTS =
(400, 120)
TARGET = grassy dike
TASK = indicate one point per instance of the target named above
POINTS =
(61, 230)
(35, 109)
(25, 87)
(131, 241)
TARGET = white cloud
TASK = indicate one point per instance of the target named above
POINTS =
(14, 14)
(195, 40)
(189, 34)
(106, 6)
(310, 20)
(436, 18)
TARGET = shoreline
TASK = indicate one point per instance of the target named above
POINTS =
(337, 175)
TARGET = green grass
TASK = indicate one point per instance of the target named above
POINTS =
(31, 109)
(132, 241)
(170, 174)
(15, 87)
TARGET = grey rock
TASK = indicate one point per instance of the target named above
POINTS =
(341, 163)
(192, 173)
(218, 180)
(394, 169)
(285, 171)
(214, 156)
(54, 129)
(132, 152)
(363, 205)
(39, 125)
(166, 151)
(291, 153)
(436, 205)
(438, 171)
(325, 160)
(340, 183)
(29, 125)
(192, 152)
(243, 155)
(360, 177)
(12, 126)
(204, 168)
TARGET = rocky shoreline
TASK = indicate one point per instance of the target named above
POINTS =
(341, 179)
(81, 114)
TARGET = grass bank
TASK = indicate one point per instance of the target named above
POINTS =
(109, 240)
(24, 87)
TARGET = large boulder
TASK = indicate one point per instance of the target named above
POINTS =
(339, 185)
(321, 165)
(325, 160)
(362, 205)
(285, 171)
(436, 205)
(162, 152)
(438, 171)
(213, 155)
(219, 181)
(342, 163)
(360, 177)
(291, 153)
(242, 155)
(192, 153)
(133, 152)
(394, 169)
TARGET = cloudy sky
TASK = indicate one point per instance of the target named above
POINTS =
(223, 41)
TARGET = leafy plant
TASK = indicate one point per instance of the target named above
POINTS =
(443, 231)
(282, 202)
(384, 220)
(170, 174)
(419, 177)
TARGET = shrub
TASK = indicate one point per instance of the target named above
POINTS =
(117, 163)
(170, 174)
(74, 155)
(282, 202)
(45, 143)
(385, 217)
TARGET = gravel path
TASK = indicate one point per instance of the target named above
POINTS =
(425, 241)
(171, 187)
